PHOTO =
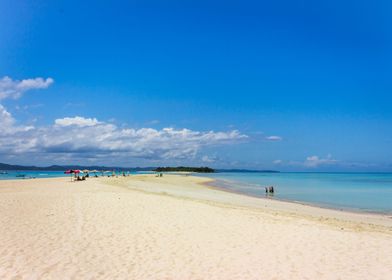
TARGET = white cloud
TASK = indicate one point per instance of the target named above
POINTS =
(78, 121)
(274, 138)
(8, 124)
(88, 138)
(6, 119)
(315, 161)
(277, 161)
(15, 88)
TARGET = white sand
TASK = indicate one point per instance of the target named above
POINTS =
(145, 227)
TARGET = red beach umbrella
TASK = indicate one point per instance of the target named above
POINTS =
(77, 171)
(70, 171)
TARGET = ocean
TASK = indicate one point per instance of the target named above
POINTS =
(367, 192)
(9, 174)
(26, 174)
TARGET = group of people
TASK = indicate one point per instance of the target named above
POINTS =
(269, 189)
(78, 178)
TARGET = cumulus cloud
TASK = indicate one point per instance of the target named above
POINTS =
(315, 161)
(277, 161)
(78, 121)
(6, 119)
(8, 124)
(273, 138)
(10, 88)
(90, 138)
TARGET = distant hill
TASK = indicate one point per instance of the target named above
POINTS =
(185, 169)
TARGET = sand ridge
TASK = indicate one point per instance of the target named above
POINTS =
(200, 189)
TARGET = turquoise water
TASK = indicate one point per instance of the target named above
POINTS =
(44, 174)
(370, 192)
(30, 174)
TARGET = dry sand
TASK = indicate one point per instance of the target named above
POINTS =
(144, 227)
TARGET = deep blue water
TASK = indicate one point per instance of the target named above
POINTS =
(370, 192)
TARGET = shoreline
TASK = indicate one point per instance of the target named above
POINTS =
(281, 206)
(215, 185)
(176, 227)
(232, 199)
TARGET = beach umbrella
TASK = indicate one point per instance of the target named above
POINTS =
(77, 171)
(85, 171)
(70, 171)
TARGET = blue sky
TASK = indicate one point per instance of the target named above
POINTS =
(287, 85)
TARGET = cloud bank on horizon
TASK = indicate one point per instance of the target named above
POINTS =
(71, 138)
(83, 139)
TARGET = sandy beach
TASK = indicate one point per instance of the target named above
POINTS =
(177, 227)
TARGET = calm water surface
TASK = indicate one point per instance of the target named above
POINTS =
(8, 175)
(370, 192)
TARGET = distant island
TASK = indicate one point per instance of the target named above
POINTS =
(185, 169)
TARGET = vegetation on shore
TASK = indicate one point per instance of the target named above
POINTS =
(185, 169)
